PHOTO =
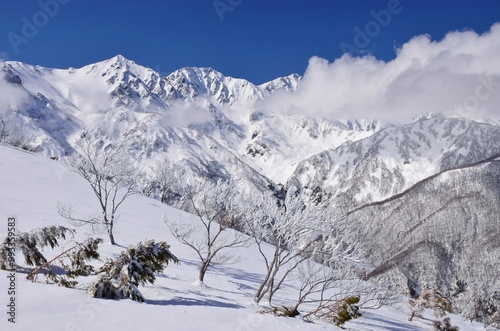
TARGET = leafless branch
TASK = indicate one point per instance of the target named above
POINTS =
(111, 176)
(209, 237)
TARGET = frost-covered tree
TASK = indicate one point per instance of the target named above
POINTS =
(211, 203)
(138, 265)
(338, 311)
(110, 173)
(30, 243)
(12, 134)
(481, 301)
(290, 229)
(484, 305)
(315, 280)
(165, 179)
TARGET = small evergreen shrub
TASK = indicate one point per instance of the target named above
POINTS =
(138, 265)
(73, 262)
(281, 311)
(338, 311)
(347, 311)
(30, 243)
(444, 325)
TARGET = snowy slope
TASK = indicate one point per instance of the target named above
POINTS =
(31, 187)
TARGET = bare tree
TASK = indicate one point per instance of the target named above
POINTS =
(332, 288)
(165, 178)
(12, 134)
(290, 229)
(208, 238)
(110, 174)
(483, 299)
(315, 281)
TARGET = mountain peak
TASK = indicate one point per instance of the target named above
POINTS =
(287, 83)
(198, 72)
(120, 59)
(119, 67)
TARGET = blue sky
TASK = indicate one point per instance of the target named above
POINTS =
(255, 39)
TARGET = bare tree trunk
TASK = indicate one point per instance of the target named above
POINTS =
(260, 291)
(111, 238)
(109, 228)
(110, 175)
(203, 271)
(270, 285)
(110, 234)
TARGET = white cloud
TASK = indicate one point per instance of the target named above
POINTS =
(459, 74)
(184, 113)
(12, 96)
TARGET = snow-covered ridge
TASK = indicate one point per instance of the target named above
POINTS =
(121, 75)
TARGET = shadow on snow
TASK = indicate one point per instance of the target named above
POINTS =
(179, 301)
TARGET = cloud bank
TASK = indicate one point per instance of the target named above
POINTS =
(458, 75)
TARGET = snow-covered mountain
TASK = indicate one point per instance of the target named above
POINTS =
(191, 113)
(212, 127)
(393, 159)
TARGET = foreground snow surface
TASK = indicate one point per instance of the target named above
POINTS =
(31, 187)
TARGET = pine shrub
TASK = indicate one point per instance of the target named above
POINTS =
(138, 265)
(30, 243)
(347, 311)
(444, 325)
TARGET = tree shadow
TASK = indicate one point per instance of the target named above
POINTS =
(239, 274)
(180, 301)
(57, 270)
(119, 245)
(374, 322)
(192, 263)
(22, 269)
